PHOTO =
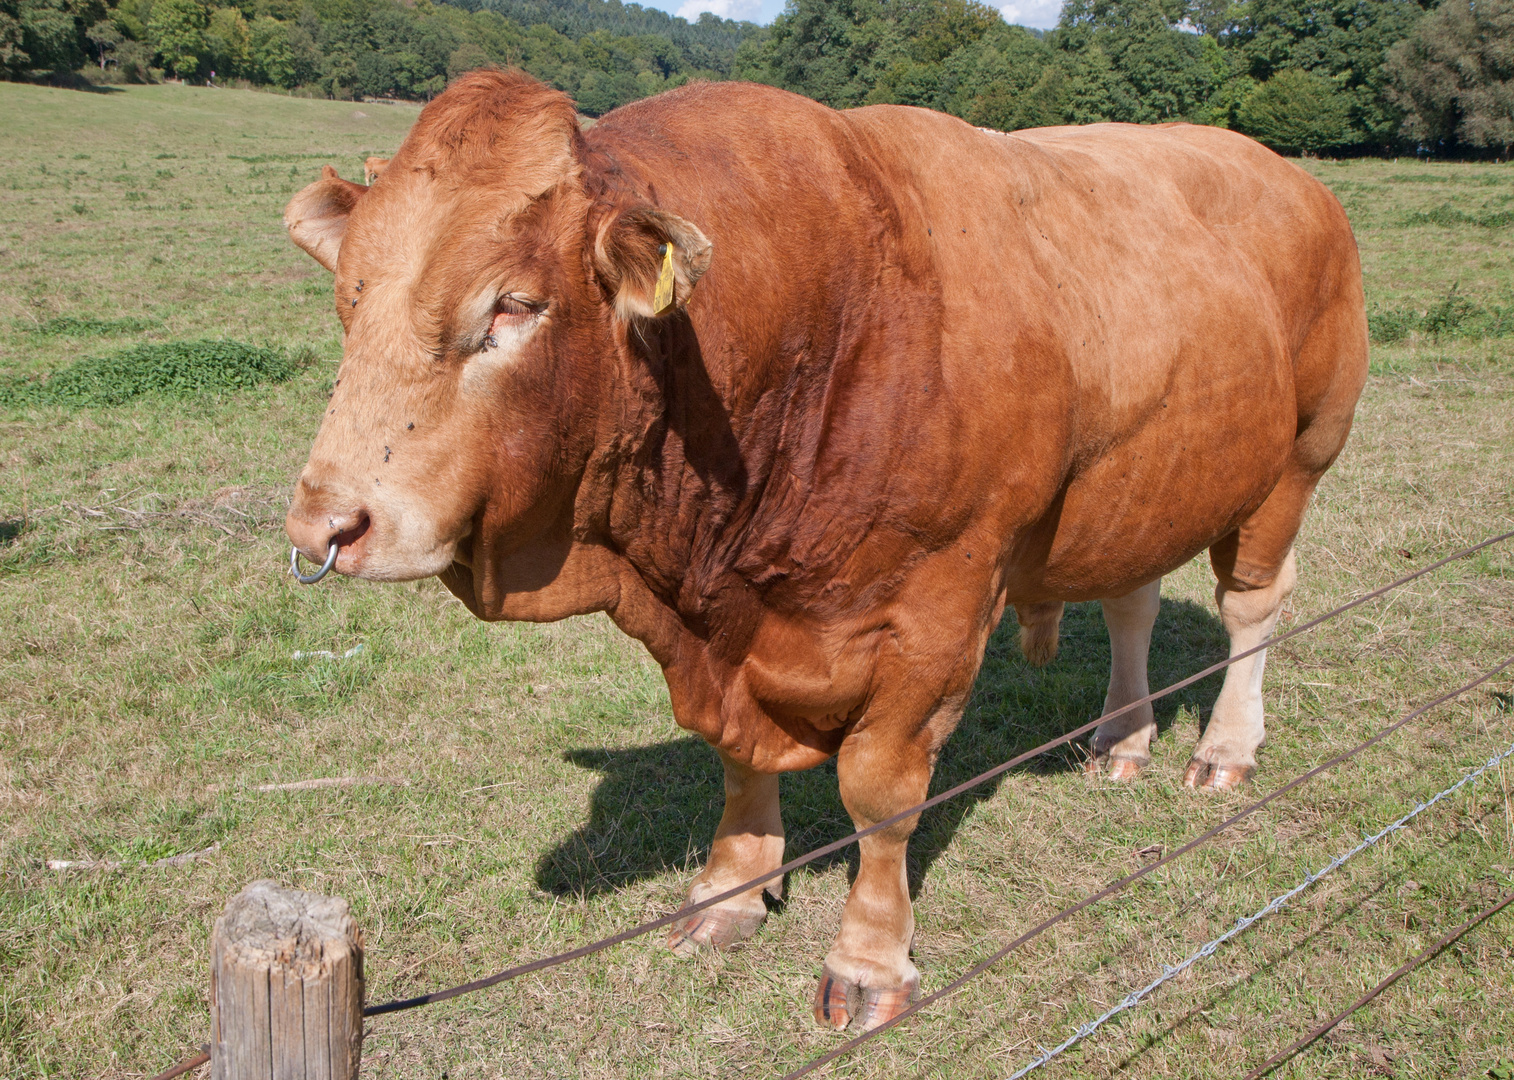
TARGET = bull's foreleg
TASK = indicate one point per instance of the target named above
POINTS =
(748, 842)
(1225, 757)
(1122, 746)
(868, 976)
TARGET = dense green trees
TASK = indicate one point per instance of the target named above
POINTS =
(1296, 111)
(46, 34)
(1345, 41)
(1305, 76)
(1454, 75)
(177, 28)
(1302, 75)
(1108, 60)
(603, 52)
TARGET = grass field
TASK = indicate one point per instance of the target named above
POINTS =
(148, 686)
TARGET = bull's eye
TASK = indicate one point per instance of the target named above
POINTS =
(515, 318)
(512, 310)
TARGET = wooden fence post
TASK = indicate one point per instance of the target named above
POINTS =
(286, 987)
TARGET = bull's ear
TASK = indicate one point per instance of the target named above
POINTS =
(637, 250)
(317, 216)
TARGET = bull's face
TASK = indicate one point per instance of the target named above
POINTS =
(482, 294)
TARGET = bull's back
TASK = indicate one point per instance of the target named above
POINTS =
(1125, 313)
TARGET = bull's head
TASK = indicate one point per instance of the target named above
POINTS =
(483, 292)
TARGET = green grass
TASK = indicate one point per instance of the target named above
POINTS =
(148, 684)
(75, 327)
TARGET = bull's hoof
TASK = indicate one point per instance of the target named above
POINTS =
(1114, 767)
(713, 927)
(1204, 774)
(839, 1002)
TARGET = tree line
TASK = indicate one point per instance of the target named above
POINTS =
(1304, 76)
(602, 52)
(1301, 75)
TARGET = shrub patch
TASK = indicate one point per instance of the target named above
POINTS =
(1453, 315)
(175, 369)
(1447, 215)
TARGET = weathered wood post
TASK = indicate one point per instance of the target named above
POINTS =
(286, 987)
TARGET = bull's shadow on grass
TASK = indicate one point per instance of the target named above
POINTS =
(657, 806)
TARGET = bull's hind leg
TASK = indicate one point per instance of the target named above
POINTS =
(1122, 746)
(1255, 564)
(1250, 596)
(748, 842)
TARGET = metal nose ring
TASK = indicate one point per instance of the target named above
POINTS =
(294, 566)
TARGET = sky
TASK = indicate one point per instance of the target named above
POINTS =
(1041, 14)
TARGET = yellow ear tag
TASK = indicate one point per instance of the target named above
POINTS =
(662, 299)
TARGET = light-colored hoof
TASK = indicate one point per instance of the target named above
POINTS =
(1115, 768)
(1203, 774)
(713, 928)
(839, 1002)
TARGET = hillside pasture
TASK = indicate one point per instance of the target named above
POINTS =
(537, 792)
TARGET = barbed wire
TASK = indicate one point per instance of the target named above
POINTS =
(936, 800)
(1109, 890)
(1131, 1000)
(1434, 950)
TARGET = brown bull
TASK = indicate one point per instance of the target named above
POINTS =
(804, 398)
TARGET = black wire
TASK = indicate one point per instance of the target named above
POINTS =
(982, 966)
(1428, 954)
(951, 793)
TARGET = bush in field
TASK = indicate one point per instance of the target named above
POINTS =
(1452, 316)
(1295, 112)
(175, 369)
(1454, 75)
(1448, 215)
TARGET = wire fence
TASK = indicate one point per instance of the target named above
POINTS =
(904, 815)
(1428, 954)
(1209, 948)
(1109, 890)
(998, 770)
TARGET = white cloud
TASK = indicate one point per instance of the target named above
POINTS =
(1040, 14)
(726, 9)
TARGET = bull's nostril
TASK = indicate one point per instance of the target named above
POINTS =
(354, 532)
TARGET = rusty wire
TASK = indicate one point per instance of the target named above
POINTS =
(951, 793)
(184, 1066)
(998, 770)
(1428, 954)
(1046, 924)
